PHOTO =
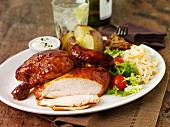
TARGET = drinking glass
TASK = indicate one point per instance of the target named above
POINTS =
(68, 13)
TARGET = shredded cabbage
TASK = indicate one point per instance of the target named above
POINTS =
(145, 64)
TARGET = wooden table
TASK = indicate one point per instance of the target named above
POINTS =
(21, 21)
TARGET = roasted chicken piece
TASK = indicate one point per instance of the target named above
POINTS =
(78, 82)
(41, 68)
(93, 57)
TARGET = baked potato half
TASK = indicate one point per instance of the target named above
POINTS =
(85, 36)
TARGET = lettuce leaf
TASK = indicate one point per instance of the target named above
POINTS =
(113, 53)
(134, 79)
(125, 69)
(131, 90)
(113, 91)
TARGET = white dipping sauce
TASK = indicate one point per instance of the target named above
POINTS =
(44, 43)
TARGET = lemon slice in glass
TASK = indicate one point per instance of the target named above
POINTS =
(81, 12)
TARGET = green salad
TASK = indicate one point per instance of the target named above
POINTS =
(125, 77)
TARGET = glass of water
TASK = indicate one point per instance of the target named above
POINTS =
(68, 13)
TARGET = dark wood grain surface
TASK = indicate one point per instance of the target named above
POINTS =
(21, 21)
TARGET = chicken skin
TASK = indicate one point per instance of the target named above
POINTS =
(93, 57)
(41, 68)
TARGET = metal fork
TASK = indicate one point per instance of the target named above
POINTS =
(122, 30)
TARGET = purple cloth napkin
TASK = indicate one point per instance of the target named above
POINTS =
(139, 35)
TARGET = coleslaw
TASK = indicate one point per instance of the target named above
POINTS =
(145, 63)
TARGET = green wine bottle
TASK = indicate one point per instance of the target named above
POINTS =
(100, 12)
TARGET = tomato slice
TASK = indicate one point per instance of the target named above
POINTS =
(119, 82)
(118, 59)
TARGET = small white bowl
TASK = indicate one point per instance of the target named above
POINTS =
(44, 43)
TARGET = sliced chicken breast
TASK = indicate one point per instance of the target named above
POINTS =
(75, 102)
(80, 81)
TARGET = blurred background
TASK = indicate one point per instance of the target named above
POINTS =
(144, 12)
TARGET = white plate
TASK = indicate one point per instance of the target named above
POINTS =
(8, 83)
